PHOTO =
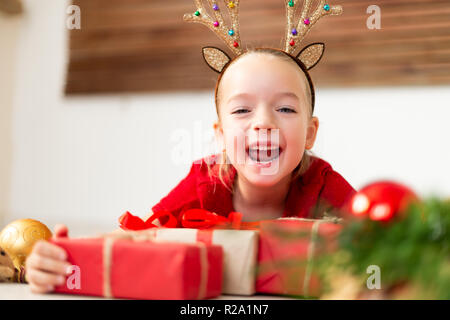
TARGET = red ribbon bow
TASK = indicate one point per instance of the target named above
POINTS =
(127, 221)
(193, 218)
(203, 219)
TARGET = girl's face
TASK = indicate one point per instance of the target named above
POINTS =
(264, 117)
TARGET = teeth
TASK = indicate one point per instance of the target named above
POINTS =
(263, 155)
(264, 148)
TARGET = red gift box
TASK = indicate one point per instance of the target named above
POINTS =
(287, 248)
(126, 268)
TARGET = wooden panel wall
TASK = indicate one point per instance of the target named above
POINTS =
(144, 45)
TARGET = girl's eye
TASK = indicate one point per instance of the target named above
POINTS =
(240, 111)
(287, 110)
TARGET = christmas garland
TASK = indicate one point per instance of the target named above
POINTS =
(410, 251)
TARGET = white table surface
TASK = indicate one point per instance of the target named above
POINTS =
(20, 291)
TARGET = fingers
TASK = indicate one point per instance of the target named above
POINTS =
(46, 264)
(45, 280)
(49, 250)
(61, 230)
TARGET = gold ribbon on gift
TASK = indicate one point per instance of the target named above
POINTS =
(146, 235)
(312, 244)
(310, 257)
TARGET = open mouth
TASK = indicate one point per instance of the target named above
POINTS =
(264, 154)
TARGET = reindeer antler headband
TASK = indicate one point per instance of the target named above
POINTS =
(308, 57)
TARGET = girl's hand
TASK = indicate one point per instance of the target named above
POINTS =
(47, 265)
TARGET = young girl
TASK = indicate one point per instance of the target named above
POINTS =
(264, 104)
(262, 91)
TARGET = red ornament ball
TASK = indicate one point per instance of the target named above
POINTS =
(381, 200)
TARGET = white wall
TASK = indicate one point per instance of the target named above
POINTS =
(83, 161)
(9, 30)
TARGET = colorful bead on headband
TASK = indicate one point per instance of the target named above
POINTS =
(295, 30)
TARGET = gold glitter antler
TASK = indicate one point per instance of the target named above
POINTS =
(295, 34)
(230, 35)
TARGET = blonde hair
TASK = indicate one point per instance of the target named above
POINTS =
(225, 165)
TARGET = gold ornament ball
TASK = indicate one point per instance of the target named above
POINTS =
(18, 238)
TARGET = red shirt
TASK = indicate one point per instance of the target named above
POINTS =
(319, 189)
